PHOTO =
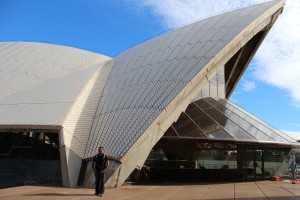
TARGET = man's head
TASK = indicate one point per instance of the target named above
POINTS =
(101, 150)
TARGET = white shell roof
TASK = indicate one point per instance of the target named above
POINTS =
(40, 82)
(145, 79)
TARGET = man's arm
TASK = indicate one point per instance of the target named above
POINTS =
(93, 166)
(106, 166)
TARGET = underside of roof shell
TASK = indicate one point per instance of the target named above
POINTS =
(40, 82)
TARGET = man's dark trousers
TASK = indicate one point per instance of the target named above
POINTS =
(100, 182)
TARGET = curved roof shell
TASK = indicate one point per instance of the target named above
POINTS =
(127, 103)
(152, 83)
(40, 82)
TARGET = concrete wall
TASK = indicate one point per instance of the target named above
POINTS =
(70, 166)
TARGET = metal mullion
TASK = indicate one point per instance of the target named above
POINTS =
(175, 130)
(195, 124)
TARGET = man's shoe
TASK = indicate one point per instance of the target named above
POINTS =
(97, 194)
(101, 195)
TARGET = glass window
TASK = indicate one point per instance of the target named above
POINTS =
(202, 104)
(157, 154)
(170, 132)
(276, 161)
(207, 126)
(258, 123)
(228, 125)
(185, 127)
(241, 122)
(218, 159)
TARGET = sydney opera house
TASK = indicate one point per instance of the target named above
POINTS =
(161, 109)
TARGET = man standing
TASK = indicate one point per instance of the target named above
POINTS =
(100, 164)
(294, 170)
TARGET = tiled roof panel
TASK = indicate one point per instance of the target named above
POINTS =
(153, 67)
(39, 82)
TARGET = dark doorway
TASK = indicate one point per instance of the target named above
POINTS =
(29, 157)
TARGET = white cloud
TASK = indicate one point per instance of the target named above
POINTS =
(295, 135)
(278, 58)
(180, 12)
(248, 85)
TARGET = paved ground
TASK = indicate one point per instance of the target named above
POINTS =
(260, 190)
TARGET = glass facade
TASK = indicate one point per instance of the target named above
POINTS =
(215, 139)
(222, 120)
(29, 145)
(29, 157)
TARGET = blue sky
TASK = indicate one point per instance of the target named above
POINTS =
(268, 89)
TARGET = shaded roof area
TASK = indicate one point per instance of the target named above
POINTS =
(220, 120)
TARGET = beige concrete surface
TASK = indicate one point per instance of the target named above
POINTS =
(260, 190)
